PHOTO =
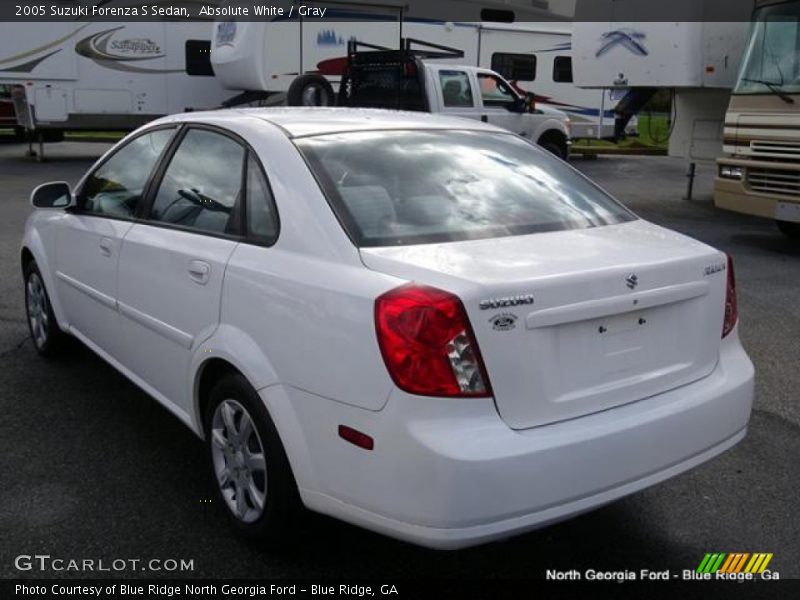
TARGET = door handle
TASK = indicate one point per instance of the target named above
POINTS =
(484, 118)
(199, 271)
(106, 245)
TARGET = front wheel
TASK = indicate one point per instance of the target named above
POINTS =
(249, 467)
(790, 230)
(47, 337)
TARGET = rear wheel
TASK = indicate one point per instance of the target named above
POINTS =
(310, 90)
(47, 337)
(790, 230)
(249, 468)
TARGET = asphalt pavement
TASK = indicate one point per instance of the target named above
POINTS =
(91, 467)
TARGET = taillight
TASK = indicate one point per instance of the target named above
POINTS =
(731, 308)
(427, 343)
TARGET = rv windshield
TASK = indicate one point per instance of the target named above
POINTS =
(771, 63)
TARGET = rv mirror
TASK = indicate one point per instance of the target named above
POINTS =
(56, 194)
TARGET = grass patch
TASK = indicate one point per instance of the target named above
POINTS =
(653, 136)
(79, 136)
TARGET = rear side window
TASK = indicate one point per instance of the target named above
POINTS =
(392, 188)
(515, 67)
(202, 184)
(456, 90)
(116, 187)
(262, 217)
(562, 69)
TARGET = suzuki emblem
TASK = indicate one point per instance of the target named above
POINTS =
(632, 280)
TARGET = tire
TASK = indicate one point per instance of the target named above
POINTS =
(790, 230)
(259, 496)
(47, 337)
(554, 147)
(310, 90)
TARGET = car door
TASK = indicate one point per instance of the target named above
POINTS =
(172, 262)
(90, 237)
(498, 103)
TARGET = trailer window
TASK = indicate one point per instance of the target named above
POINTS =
(198, 58)
(456, 90)
(515, 67)
(562, 69)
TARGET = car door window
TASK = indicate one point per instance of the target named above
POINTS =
(202, 184)
(495, 92)
(116, 187)
(456, 91)
(262, 218)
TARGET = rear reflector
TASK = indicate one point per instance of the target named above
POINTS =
(355, 437)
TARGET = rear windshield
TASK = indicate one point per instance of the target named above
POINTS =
(392, 188)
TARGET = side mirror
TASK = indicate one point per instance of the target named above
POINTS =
(52, 195)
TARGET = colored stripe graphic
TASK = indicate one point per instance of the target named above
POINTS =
(734, 562)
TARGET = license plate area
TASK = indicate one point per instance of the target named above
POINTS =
(787, 211)
(623, 341)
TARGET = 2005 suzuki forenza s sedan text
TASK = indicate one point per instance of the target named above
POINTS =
(422, 325)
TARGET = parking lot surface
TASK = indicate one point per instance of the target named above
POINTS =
(91, 467)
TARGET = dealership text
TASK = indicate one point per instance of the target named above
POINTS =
(648, 575)
(189, 589)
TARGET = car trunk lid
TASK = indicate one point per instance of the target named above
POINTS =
(574, 322)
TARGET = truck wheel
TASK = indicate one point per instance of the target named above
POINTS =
(790, 230)
(310, 90)
(554, 146)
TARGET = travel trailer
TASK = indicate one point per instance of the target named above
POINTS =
(305, 58)
(759, 171)
(625, 45)
(102, 75)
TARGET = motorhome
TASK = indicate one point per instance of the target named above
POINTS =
(105, 75)
(304, 58)
(759, 172)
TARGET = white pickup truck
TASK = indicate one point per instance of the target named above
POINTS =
(482, 94)
(410, 80)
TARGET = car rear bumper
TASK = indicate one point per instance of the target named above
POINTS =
(448, 473)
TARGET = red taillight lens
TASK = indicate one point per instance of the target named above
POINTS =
(731, 308)
(427, 343)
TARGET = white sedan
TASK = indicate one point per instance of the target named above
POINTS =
(425, 326)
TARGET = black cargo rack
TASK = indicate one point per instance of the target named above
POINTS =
(381, 77)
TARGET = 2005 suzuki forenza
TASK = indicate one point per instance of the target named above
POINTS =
(426, 326)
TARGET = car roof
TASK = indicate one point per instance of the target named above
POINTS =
(308, 121)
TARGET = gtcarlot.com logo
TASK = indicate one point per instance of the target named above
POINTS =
(46, 562)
